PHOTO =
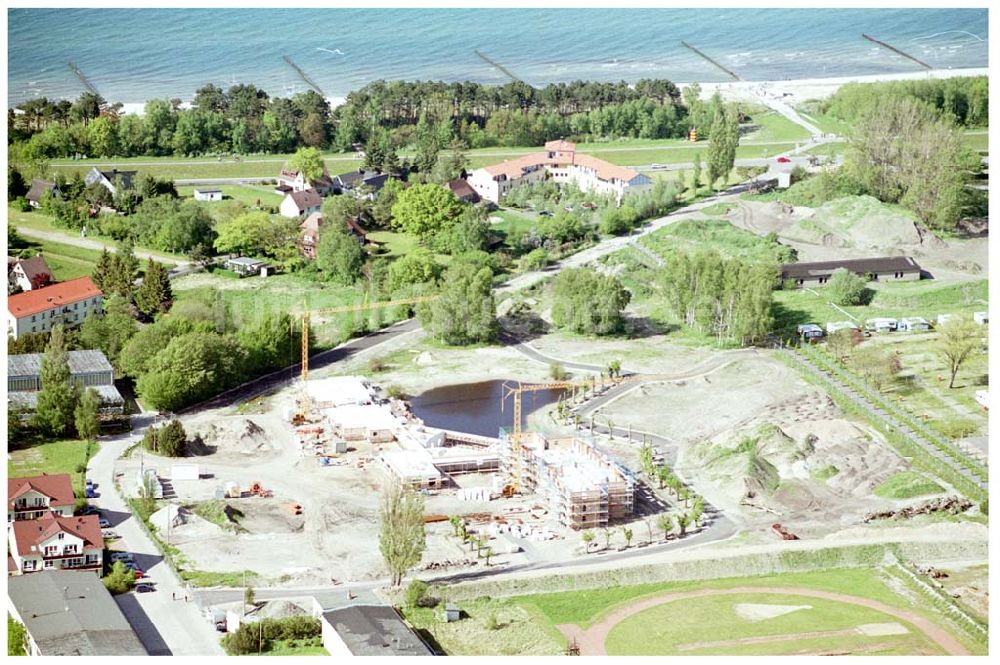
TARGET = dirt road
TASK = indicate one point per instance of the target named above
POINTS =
(591, 641)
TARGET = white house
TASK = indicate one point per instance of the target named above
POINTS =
(560, 162)
(295, 181)
(68, 303)
(27, 274)
(208, 195)
(31, 497)
(54, 542)
(300, 203)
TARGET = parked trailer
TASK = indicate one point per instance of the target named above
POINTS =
(982, 318)
(914, 323)
(881, 325)
(810, 332)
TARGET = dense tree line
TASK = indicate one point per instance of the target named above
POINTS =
(245, 119)
(727, 298)
(964, 99)
(587, 302)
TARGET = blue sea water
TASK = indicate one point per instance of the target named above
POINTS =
(132, 55)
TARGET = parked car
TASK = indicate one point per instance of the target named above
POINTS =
(657, 166)
(545, 213)
(110, 534)
(90, 493)
(138, 573)
(121, 556)
(104, 523)
(90, 510)
(144, 588)
(783, 160)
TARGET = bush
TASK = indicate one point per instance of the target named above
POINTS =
(847, 288)
(957, 428)
(416, 590)
(21, 204)
(395, 391)
(253, 636)
(119, 580)
(536, 259)
(376, 365)
(491, 621)
(557, 372)
(428, 601)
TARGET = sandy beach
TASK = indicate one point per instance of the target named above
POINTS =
(797, 91)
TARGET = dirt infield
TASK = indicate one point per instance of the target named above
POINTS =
(591, 641)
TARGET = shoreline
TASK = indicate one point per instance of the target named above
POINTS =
(794, 91)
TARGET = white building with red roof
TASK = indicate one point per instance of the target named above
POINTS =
(53, 542)
(32, 497)
(68, 303)
(560, 162)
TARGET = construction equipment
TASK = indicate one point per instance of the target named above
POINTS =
(306, 313)
(783, 533)
(256, 489)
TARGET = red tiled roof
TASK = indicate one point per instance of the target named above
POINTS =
(515, 168)
(35, 268)
(40, 300)
(462, 190)
(31, 532)
(560, 145)
(312, 222)
(58, 487)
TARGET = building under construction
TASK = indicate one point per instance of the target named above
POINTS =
(584, 487)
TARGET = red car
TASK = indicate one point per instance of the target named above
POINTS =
(783, 160)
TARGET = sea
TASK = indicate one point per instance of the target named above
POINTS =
(133, 55)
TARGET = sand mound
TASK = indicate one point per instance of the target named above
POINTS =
(279, 609)
(241, 435)
(747, 462)
(758, 612)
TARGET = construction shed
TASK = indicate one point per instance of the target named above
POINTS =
(370, 630)
(339, 391)
(881, 269)
(363, 422)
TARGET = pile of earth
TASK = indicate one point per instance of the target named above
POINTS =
(240, 435)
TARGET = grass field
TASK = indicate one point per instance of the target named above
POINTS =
(701, 626)
(53, 457)
(247, 194)
(906, 485)
(252, 296)
(527, 624)
(41, 222)
(717, 234)
(773, 126)
(626, 153)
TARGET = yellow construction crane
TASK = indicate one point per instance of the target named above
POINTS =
(306, 313)
(515, 390)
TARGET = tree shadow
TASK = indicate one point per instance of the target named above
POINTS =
(787, 319)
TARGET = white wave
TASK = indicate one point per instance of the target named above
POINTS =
(335, 51)
(946, 32)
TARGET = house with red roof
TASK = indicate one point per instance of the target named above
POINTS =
(32, 497)
(560, 162)
(27, 274)
(68, 303)
(54, 542)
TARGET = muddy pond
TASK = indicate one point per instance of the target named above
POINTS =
(475, 407)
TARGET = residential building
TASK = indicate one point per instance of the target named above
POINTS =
(881, 269)
(244, 266)
(305, 202)
(54, 542)
(583, 487)
(110, 179)
(309, 234)
(207, 194)
(560, 162)
(69, 613)
(38, 189)
(295, 181)
(370, 630)
(357, 182)
(27, 274)
(88, 369)
(38, 310)
(463, 191)
(32, 497)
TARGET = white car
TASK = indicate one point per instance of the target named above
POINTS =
(104, 523)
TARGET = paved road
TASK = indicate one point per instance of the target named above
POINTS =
(286, 375)
(165, 626)
(98, 245)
